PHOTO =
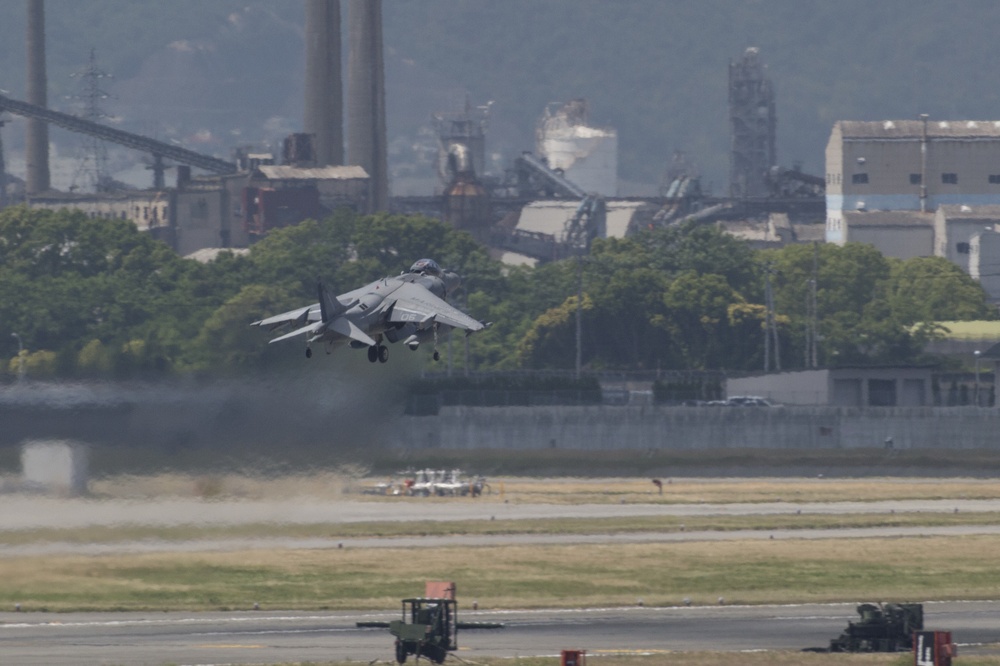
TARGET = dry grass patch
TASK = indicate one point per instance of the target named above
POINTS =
(321, 485)
(905, 569)
(555, 526)
(735, 490)
(349, 483)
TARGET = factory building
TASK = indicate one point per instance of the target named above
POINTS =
(917, 188)
(908, 165)
(199, 213)
(281, 195)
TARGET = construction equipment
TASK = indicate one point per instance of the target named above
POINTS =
(429, 628)
(882, 628)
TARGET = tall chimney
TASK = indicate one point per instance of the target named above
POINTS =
(37, 135)
(324, 116)
(366, 142)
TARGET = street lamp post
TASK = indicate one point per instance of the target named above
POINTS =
(20, 357)
(977, 354)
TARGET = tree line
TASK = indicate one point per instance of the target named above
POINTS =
(97, 298)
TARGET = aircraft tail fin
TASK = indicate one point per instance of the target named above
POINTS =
(329, 307)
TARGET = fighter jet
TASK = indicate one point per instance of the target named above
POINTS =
(408, 308)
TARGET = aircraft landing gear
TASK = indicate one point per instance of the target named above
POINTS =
(383, 353)
(437, 355)
(309, 352)
(372, 353)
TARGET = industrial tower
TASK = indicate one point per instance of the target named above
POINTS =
(366, 138)
(324, 89)
(37, 131)
(754, 121)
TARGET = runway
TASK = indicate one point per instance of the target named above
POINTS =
(270, 636)
(264, 636)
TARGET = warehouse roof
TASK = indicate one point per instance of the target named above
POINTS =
(913, 129)
(888, 218)
(285, 172)
(551, 217)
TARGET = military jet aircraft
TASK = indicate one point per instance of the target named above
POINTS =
(409, 307)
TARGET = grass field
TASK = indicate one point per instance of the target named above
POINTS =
(741, 572)
(339, 486)
(101, 534)
(519, 576)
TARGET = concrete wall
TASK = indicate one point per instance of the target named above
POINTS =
(893, 241)
(55, 466)
(700, 428)
(321, 409)
(842, 387)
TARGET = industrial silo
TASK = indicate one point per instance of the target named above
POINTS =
(587, 156)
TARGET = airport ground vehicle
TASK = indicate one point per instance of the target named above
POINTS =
(429, 628)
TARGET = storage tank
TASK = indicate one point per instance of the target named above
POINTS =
(587, 156)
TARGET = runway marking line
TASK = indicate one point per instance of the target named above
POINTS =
(230, 646)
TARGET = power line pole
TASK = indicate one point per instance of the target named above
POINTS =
(93, 158)
(770, 325)
(813, 309)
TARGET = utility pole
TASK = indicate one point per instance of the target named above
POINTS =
(923, 164)
(814, 338)
(812, 319)
(579, 311)
(770, 325)
(767, 319)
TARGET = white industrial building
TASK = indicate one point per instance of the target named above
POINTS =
(586, 156)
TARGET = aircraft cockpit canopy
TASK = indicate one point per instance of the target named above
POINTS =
(426, 266)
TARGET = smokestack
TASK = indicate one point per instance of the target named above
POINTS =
(37, 136)
(366, 142)
(324, 102)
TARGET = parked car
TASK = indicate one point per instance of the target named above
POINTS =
(748, 401)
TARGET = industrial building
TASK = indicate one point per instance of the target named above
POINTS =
(918, 188)
(909, 165)
(841, 387)
(587, 156)
(753, 121)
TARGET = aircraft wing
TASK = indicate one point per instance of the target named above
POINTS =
(415, 304)
(299, 316)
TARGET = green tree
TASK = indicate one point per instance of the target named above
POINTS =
(927, 289)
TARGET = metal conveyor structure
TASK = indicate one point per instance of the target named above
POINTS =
(158, 149)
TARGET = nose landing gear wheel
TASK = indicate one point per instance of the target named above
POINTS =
(383, 353)
(372, 354)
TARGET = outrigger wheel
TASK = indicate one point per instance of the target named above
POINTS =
(309, 352)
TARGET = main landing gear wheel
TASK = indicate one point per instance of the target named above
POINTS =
(372, 354)
(309, 352)
(383, 353)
